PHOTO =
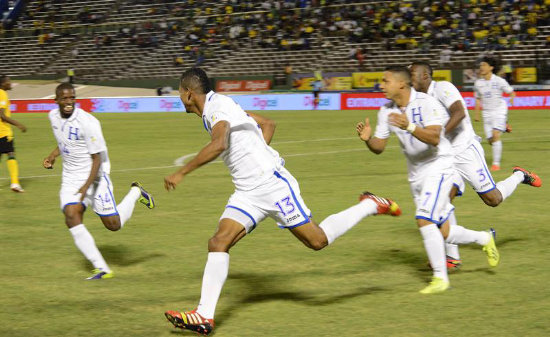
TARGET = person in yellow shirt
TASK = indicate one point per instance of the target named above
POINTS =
(6, 133)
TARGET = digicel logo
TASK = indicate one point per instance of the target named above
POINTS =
(229, 85)
(257, 85)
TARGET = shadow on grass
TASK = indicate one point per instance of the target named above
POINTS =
(258, 288)
(120, 255)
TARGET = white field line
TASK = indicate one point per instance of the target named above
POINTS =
(181, 160)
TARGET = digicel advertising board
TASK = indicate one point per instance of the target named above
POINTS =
(328, 101)
(523, 100)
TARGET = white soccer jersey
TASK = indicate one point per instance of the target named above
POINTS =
(490, 92)
(251, 161)
(78, 137)
(422, 159)
(446, 93)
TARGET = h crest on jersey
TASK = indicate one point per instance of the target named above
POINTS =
(73, 132)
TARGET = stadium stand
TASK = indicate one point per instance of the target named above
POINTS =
(114, 39)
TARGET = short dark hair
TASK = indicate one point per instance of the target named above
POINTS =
(63, 86)
(196, 79)
(3, 78)
(424, 65)
(402, 71)
(492, 61)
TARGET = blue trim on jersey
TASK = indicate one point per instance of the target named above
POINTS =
(104, 215)
(489, 190)
(458, 191)
(294, 226)
(204, 123)
(428, 219)
(437, 195)
(111, 193)
(73, 203)
(245, 213)
(278, 175)
(482, 160)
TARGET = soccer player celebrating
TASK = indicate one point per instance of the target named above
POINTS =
(263, 188)
(488, 92)
(418, 119)
(6, 133)
(85, 179)
(469, 157)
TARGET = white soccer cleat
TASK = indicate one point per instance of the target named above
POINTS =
(17, 188)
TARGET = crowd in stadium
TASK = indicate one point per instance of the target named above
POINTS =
(295, 25)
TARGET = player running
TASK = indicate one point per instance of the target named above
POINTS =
(263, 188)
(488, 92)
(418, 119)
(469, 159)
(6, 134)
(85, 180)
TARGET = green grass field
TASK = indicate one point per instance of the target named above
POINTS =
(365, 284)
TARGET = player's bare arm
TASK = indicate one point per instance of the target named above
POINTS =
(50, 160)
(476, 111)
(218, 144)
(267, 125)
(512, 96)
(364, 131)
(96, 163)
(458, 113)
(12, 121)
(429, 135)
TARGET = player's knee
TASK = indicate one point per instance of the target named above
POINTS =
(219, 244)
(317, 244)
(112, 223)
(492, 200)
(72, 218)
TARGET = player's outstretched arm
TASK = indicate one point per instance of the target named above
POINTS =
(457, 111)
(12, 121)
(50, 160)
(364, 131)
(267, 125)
(218, 144)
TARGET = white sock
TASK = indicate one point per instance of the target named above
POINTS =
(215, 274)
(126, 206)
(337, 224)
(497, 152)
(450, 248)
(435, 248)
(86, 244)
(460, 235)
(508, 185)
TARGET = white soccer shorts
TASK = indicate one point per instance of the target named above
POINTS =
(494, 120)
(431, 197)
(470, 164)
(278, 198)
(100, 195)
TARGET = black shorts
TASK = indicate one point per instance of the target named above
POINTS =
(5, 145)
(316, 93)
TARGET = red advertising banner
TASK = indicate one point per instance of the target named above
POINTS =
(242, 85)
(44, 105)
(373, 101)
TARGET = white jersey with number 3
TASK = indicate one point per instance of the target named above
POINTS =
(447, 94)
(251, 161)
(422, 159)
(78, 137)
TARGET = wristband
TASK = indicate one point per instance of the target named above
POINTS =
(411, 127)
